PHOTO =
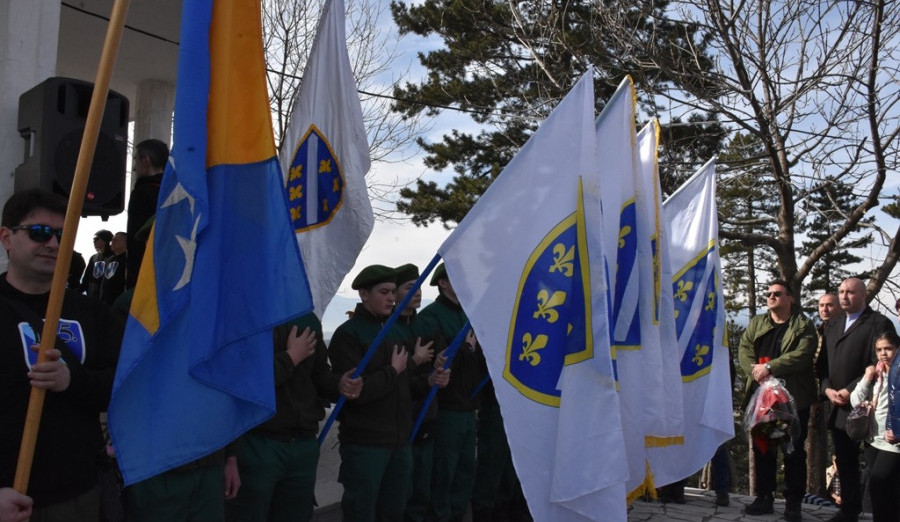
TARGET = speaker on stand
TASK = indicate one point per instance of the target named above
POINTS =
(51, 120)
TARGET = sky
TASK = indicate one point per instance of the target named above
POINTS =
(391, 243)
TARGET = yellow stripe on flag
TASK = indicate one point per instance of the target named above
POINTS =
(237, 90)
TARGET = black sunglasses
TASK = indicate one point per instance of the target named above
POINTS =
(777, 293)
(40, 233)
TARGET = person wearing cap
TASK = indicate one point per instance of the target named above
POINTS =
(96, 267)
(454, 433)
(414, 334)
(278, 458)
(376, 461)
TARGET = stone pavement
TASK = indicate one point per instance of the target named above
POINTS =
(700, 505)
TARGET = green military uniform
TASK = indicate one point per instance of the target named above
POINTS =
(454, 440)
(193, 492)
(411, 329)
(497, 492)
(376, 462)
(278, 459)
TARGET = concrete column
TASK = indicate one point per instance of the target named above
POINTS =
(153, 111)
(29, 33)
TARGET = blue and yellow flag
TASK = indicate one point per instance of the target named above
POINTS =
(222, 265)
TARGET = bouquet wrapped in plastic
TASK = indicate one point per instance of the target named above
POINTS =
(771, 416)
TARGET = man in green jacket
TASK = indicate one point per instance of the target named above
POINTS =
(454, 437)
(278, 458)
(780, 343)
(376, 461)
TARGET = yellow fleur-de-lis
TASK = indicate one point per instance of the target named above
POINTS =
(296, 172)
(530, 348)
(325, 166)
(296, 192)
(710, 301)
(295, 213)
(623, 233)
(699, 351)
(563, 259)
(546, 304)
(335, 186)
(683, 288)
(325, 205)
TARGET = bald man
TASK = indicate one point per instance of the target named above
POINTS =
(848, 343)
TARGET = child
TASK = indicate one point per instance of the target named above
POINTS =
(882, 455)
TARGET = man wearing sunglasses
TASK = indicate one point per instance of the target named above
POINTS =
(846, 351)
(780, 343)
(78, 374)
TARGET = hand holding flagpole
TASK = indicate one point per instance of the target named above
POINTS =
(450, 353)
(67, 243)
(376, 342)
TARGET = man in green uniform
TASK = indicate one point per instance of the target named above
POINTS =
(454, 438)
(278, 458)
(376, 461)
(414, 334)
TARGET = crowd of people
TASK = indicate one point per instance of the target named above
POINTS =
(840, 363)
(456, 458)
(269, 472)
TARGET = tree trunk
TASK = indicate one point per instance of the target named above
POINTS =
(816, 449)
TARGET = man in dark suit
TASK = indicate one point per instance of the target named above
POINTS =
(848, 349)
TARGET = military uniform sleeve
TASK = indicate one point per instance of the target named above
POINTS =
(346, 352)
(746, 349)
(325, 381)
(284, 365)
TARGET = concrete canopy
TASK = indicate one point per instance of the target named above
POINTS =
(149, 48)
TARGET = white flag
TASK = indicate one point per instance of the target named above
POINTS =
(530, 276)
(325, 158)
(623, 228)
(659, 340)
(700, 323)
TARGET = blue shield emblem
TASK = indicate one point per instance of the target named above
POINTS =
(315, 182)
(549, 326)
(626, 259)
(69, 332)
(691, 284)
(698, 352)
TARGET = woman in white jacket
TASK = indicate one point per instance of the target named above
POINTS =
(882, 453)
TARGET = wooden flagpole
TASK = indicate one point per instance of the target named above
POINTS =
(67, 244)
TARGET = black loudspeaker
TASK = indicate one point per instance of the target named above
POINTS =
(51, 120)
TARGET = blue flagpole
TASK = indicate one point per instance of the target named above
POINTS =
(450, 353)
(376, 342)
(482, 384)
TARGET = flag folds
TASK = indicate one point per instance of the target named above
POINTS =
(538, 307)
(325, 157)
(699, 323)
(222, 265)
(660, 343)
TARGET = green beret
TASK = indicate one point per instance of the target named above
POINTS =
(373, 275)
(439, 273)
(406, 273)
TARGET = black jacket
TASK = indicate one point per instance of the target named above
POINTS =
(382, 415)
(845, 355)
(69, 440)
